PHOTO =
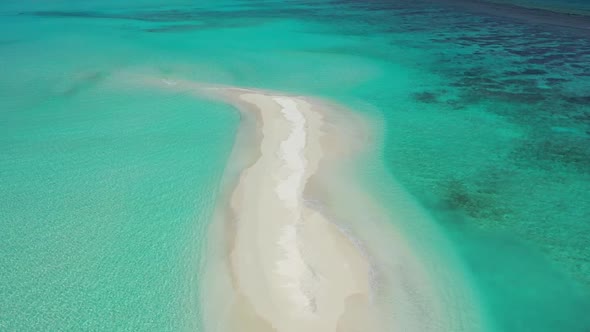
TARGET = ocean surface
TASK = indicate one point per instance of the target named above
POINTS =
(107, 191)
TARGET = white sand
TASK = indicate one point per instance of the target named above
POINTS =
(299, 246)
(293, 266)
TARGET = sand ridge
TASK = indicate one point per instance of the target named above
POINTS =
(292, 265)
(298, 244)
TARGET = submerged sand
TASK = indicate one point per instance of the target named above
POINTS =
(297, 244)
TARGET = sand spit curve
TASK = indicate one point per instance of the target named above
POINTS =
(297, 245)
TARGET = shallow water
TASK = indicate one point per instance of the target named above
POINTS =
(107, 190)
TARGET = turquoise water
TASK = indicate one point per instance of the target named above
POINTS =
(107, 191)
